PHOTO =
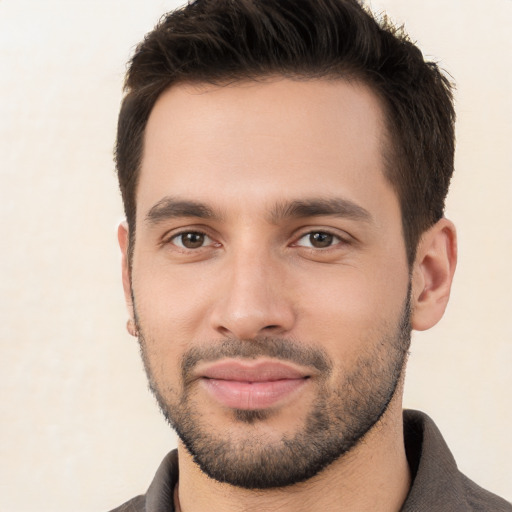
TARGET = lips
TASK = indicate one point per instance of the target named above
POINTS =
(251, 385)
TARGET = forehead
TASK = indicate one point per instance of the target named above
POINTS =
(263, 142)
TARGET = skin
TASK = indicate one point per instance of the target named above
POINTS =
(242, 151)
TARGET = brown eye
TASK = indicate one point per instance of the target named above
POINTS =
(318, 240)
(191, 240)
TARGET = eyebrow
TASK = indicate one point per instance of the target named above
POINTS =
(333, 207)
(171, 207)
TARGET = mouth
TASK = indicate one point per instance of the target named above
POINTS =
(251, 385)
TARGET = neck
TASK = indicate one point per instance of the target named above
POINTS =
(373, 476)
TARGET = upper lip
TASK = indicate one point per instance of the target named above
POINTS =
(251, 371)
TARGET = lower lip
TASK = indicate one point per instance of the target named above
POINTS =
(251, 395)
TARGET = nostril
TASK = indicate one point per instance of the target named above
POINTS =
(224, 330)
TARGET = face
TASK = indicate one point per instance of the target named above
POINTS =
(269, 279)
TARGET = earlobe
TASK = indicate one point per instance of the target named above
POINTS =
(123, 238)
(432, 275)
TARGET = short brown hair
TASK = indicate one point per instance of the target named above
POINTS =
(222, 41)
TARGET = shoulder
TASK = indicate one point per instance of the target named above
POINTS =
(437, 484)
(137, 504)
(481, 500)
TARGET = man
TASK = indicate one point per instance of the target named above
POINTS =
(283, 166)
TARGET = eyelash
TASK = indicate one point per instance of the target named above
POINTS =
(337, 240)
(175, 236)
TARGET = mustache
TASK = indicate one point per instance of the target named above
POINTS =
(276, 348)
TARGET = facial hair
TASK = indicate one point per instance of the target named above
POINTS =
(340, 417)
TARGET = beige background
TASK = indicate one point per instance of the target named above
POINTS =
(79, 430)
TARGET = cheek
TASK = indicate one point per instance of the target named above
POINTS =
(351, 308)
(171, 302)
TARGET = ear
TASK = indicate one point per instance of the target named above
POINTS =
(432, 274)
(123, 238)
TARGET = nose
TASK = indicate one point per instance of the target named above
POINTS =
(254, 299)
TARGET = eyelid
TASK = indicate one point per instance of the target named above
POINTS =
(343, 238)
(172, 234)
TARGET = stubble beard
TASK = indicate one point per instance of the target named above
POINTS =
(339, 419)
